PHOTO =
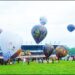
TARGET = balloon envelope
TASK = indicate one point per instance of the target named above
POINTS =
(61, 51)
(48, 50)
(10, 43)
(43, 20)
(0, 30)
(39, 32)
(70, 27)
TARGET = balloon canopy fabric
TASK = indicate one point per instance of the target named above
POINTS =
(10, 43)
(48, 50)
(16, 54)
(39, 32)
(61, 51)
(0, 31)
(43, 20)
(70, 27)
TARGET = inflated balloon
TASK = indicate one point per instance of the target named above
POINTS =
(0, 30)
(48, 50)
(61, 51)
(39, 32)
(43, 20)
(70, 27)
(10, 44)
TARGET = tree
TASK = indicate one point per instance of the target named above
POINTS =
(71, 51)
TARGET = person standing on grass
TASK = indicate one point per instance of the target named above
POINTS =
(14, 61)
(18, 60)
(24, 60)
(28, 59)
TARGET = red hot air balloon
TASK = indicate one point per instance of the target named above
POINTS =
(61, 51)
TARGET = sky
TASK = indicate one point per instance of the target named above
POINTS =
(21, 16)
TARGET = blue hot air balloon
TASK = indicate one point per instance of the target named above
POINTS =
(39, 32)
(43, 20)
(70, 27)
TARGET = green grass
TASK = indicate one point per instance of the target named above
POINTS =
(63, 67)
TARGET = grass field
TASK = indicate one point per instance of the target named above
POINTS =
(63, 67)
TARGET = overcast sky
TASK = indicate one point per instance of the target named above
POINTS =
(21, 16)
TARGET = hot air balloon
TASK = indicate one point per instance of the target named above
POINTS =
(0, 31)
(61, 51)
(39, 32)
(10, 44)
(48, 50)
(43, 20)
(70, 27)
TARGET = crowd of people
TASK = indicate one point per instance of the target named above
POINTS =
(24, 60)
(28, 60)
(10, 61)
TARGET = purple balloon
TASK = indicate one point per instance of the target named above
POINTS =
(48, 50)
(39, 32)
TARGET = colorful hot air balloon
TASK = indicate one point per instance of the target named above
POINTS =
(61, 51)
(43, 20)
(48, 50)
(10, 44)
(70, 27)
(39, 32)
